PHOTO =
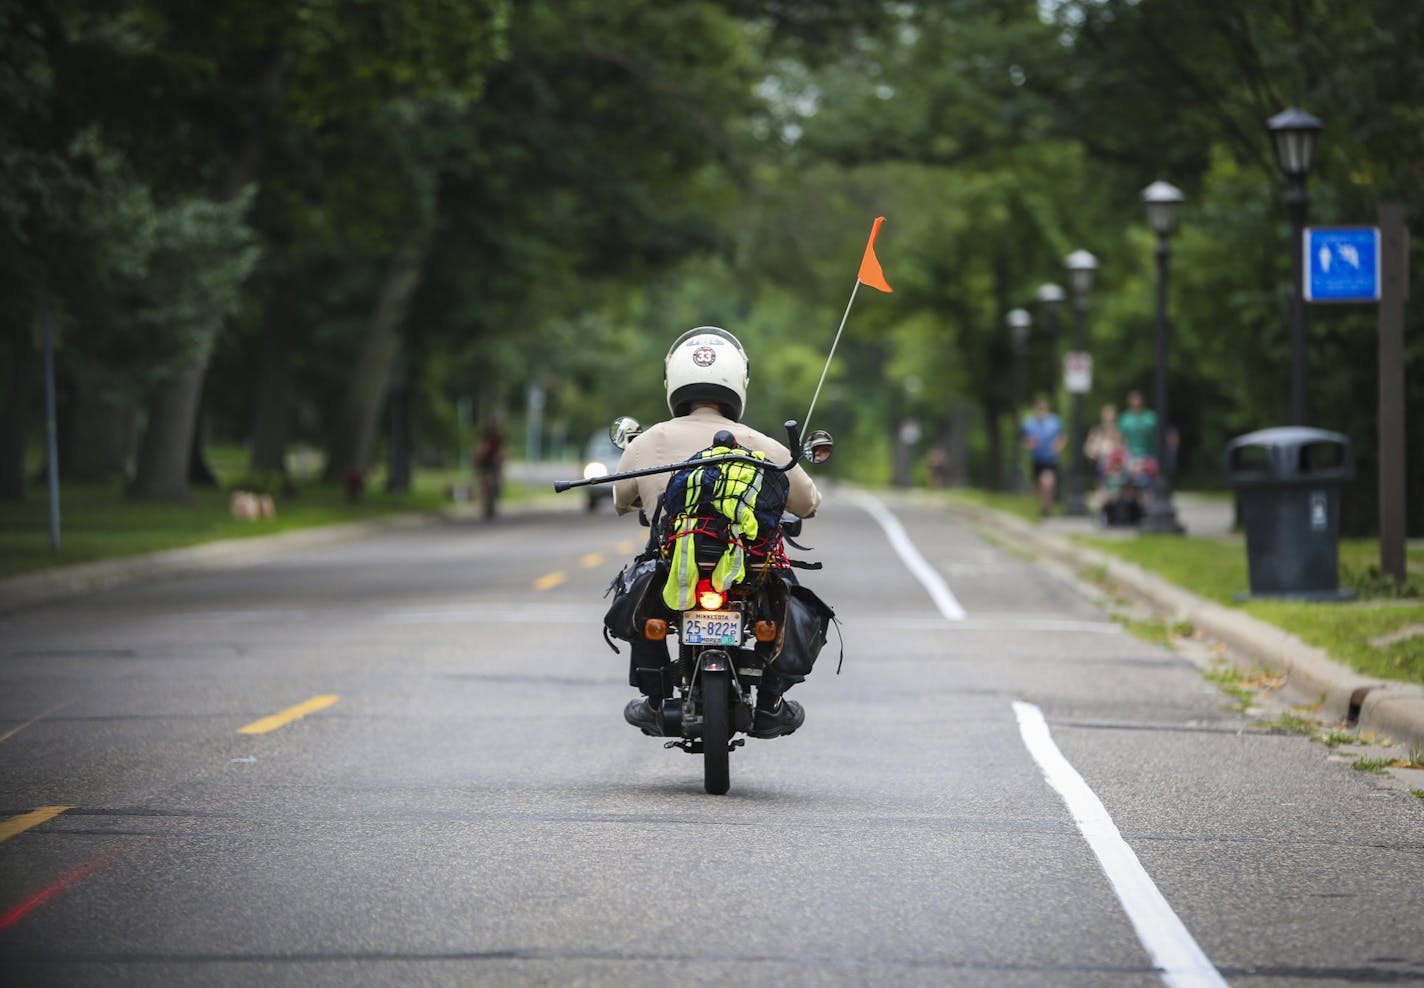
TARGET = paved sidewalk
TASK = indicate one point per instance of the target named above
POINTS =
(1389, 709)
(1200, 514)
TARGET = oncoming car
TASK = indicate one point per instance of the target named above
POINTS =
(600, 458)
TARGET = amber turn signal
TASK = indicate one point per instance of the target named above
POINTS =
(766, 631)
(655, 629)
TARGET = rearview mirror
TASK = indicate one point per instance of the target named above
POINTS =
(819, 446)
(623, 430)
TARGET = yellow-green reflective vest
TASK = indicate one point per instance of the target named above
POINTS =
(729, 490)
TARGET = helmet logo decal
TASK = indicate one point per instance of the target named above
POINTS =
(704, 356)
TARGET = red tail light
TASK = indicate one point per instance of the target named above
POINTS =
(709, 599)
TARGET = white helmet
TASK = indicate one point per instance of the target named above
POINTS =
(706, 364)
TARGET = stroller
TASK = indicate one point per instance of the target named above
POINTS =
(1123, 483)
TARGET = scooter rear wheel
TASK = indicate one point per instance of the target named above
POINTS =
(716, 732)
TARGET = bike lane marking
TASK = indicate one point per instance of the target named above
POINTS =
(939, 591)
(1178, 958)
(34, 720)
(13, 914)
(550, 580)
(283, 717)
(19, 824)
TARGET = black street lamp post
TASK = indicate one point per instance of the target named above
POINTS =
(1081, 267)
(1019, 322)
(1293, 134)
(1162, 200)
(1051, 296)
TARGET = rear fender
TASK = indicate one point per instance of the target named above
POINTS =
(714, 660)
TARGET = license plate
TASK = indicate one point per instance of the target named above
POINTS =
(711, 628)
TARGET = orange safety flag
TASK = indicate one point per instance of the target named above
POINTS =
(870, 273)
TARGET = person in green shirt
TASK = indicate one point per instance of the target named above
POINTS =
(1139, 427)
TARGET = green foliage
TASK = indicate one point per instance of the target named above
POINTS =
(1229, 680)
(1023, 506)
(1375, 766)
(272, 483)
(1294, 723)
(1371, 583)
(591, 178)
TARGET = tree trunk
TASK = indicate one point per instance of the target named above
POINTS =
(22, 373)
(354, 435)
(963, 421)
(100, 439)
(162, 472)
(269, 428)
(995, 480)
(402, 439)
(199, 472)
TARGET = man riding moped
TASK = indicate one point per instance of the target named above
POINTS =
(706, 376)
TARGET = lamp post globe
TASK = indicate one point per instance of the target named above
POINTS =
(1161, 200)
(1018, 321)
(1050, 296)
(1082, 266)
(1294, 134)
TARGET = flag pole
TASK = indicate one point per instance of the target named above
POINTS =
(806, 423)
(869, 274)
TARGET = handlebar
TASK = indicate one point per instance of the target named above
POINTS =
(793, 433)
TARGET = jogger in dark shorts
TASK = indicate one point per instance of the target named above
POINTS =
(1042, 435)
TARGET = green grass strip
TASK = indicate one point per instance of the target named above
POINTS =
(1350, 632)
(99, 522)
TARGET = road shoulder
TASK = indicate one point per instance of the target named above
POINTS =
(1390, 709)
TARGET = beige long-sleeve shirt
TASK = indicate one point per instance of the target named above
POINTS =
(680, 438)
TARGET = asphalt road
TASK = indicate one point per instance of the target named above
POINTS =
(452, 797)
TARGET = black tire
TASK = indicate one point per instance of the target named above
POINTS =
(716, 732)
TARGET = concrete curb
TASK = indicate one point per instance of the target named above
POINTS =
(1390, 709)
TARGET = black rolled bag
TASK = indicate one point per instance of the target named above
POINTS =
(637, 595)
(808, 618)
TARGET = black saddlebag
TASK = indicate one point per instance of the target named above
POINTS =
(637, 596)
(804, 629)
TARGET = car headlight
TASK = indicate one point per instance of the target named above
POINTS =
(593, 469)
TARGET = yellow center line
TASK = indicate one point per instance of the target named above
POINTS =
(593, 559)
(19, 824)
(290, 714)
(625, 547)
(36, 718)
(550, 580)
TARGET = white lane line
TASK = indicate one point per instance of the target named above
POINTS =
(1004, 623)
(939, 591)
(1176, 955)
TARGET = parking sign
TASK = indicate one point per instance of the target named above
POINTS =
(1342, 264)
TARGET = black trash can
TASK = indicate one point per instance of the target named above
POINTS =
(1288, 483)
